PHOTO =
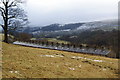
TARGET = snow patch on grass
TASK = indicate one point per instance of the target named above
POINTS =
(71, 68)
(14, 72)
(47, 56)
(51, 56)
(76, 57)
(98, 60)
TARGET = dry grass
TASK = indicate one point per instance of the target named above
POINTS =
(26, 62)
(1, 36)
(1, 55)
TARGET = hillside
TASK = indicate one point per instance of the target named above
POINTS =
(106, 25)
(58, 30)
(27, 62)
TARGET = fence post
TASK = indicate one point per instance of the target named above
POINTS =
(57, 44)
(80, 46)
(87, 47)
(68, 45)
(33, 41)
(63, 45)
(36, 42)
(30, 41)
(16, 39)
(39, 42)
(42, 43)
(95, 47)
(74, 46)
(47, 43)
(71, 45)
(52, 44)
(26, 41)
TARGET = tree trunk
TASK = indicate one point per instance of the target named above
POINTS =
(6, 24)
(5, 36)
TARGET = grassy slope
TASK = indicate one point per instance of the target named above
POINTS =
(0, 56)
(26, 62)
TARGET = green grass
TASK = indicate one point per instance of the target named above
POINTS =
(27, 62)
(55, 40)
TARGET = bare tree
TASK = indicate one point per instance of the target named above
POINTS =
(13, 16)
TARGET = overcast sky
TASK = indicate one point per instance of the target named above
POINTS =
(44, 12)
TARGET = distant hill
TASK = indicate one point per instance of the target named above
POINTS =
(59, 27)
(105, 25)
(100, 25)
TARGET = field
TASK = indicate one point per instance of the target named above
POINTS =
(1, 56)
(55, 40)
(27, 62)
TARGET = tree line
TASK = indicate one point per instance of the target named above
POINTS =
(98, 38)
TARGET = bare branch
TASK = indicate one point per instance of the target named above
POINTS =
(2, 9)
(12, 4)
(3, 1)
(11, 17)
(2, 14)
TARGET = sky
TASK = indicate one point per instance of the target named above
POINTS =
(45, 12)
